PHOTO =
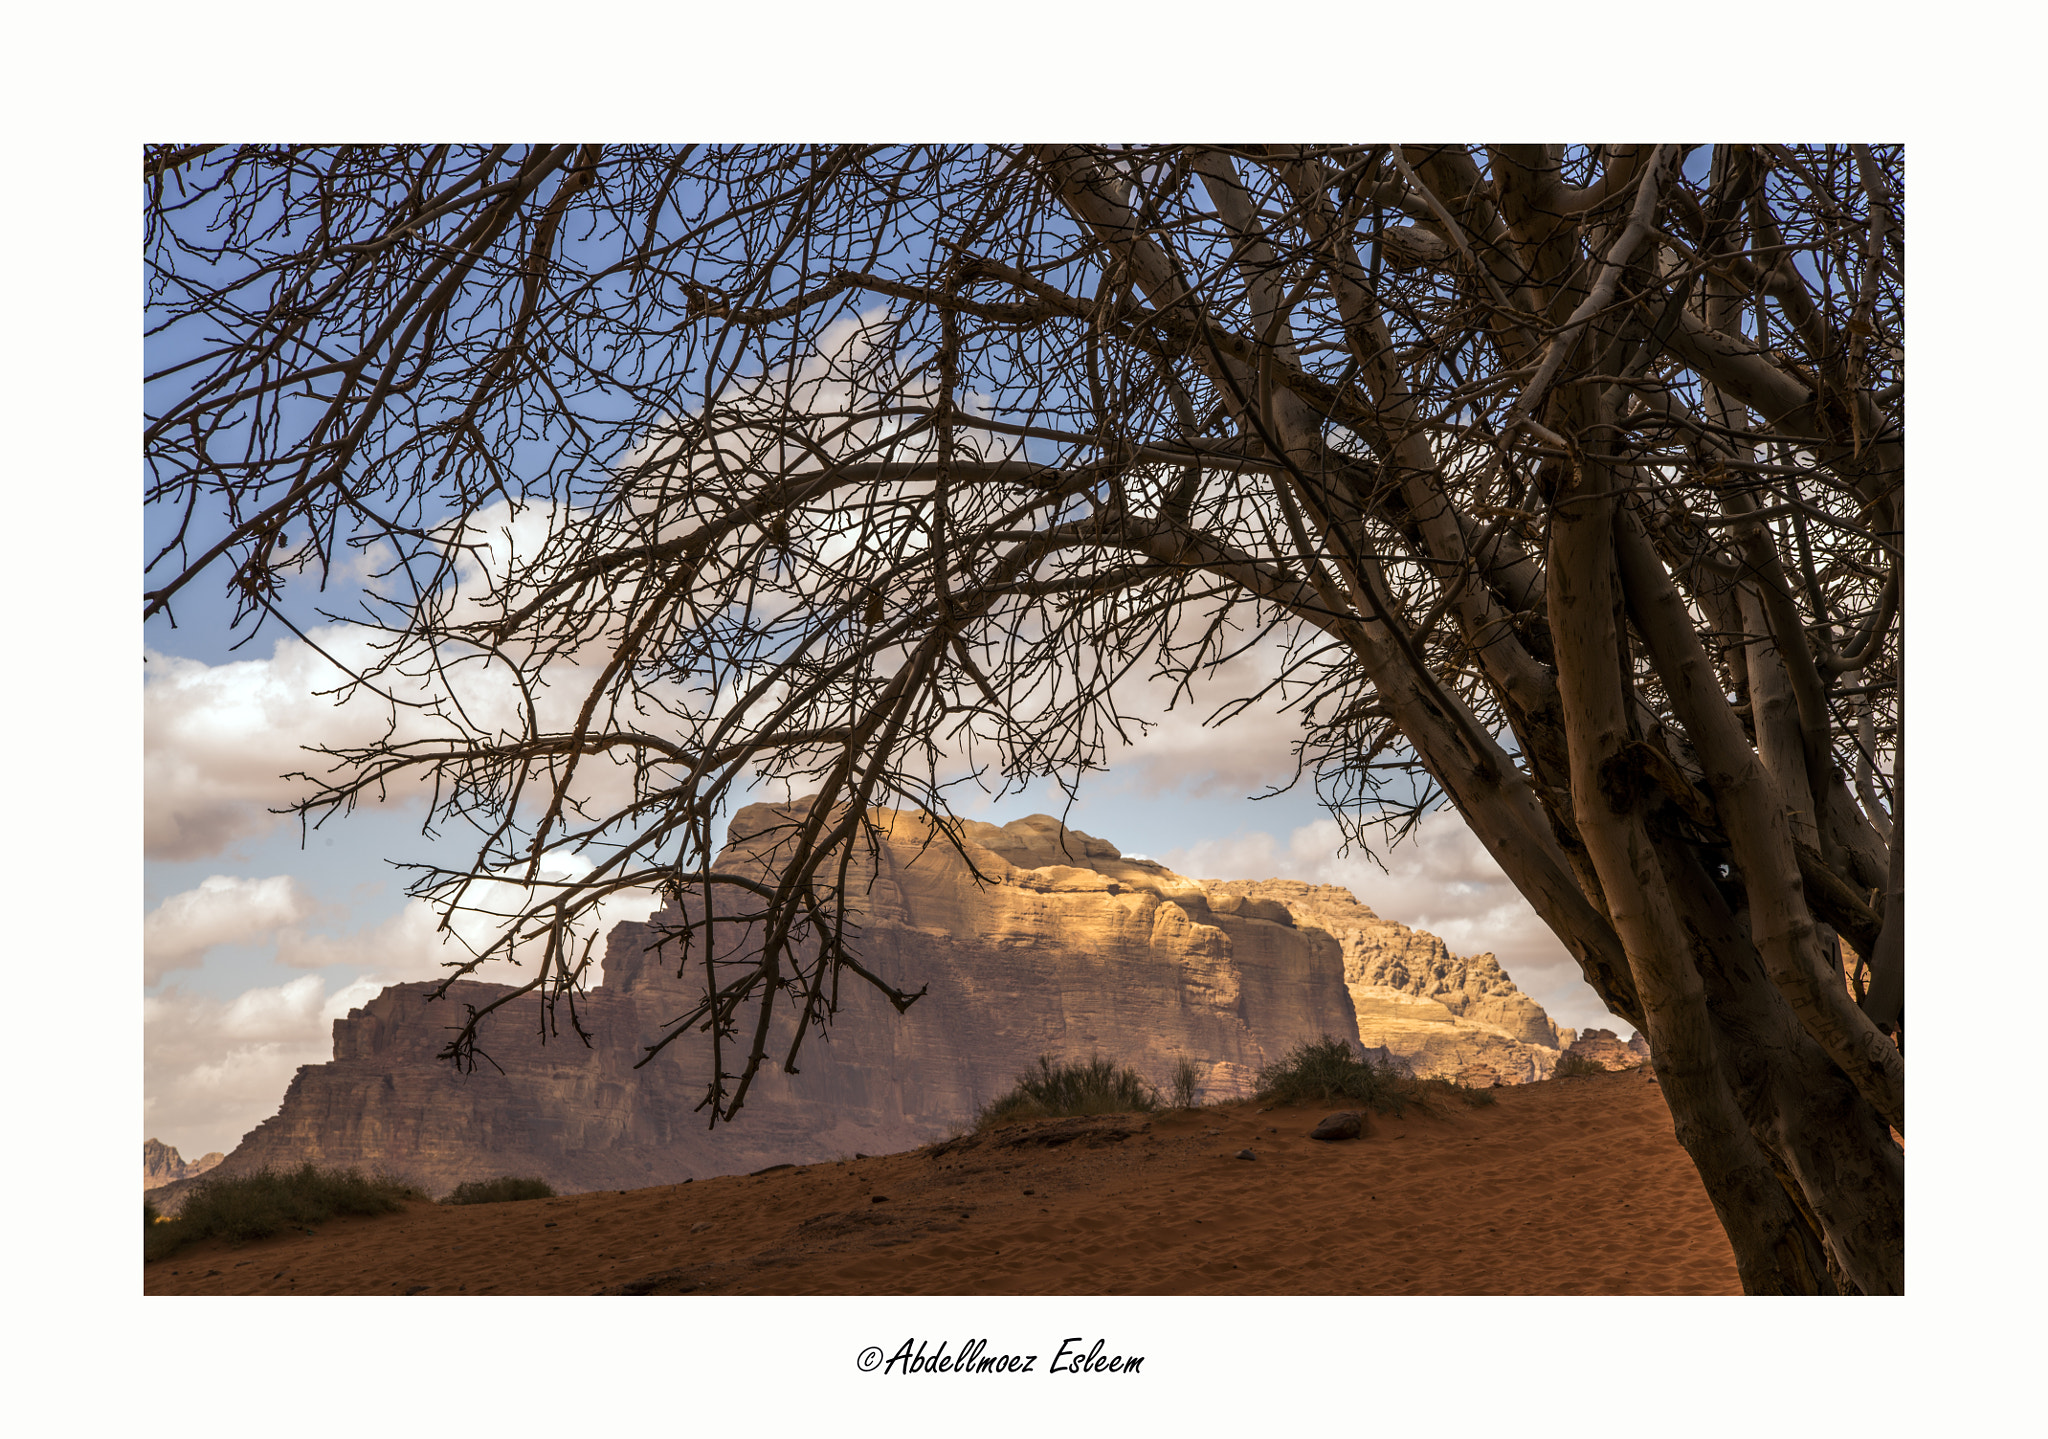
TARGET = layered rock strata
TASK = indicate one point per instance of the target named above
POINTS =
(1060, 947)
(1444, 1016)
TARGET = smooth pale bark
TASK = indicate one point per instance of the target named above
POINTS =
(1492, 576)
(1775, 714)
(1853, 845)
(1486, 626)
(1776, 1250)
(1755, 813)
(1842, 835)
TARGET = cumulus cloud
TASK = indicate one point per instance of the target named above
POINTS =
(213, 1069)
(219, 739)
(216, 740)
(1441, 880)
(1172, 741)
(405, 946)
(1246, 755)
(223, 910)
(412, 944)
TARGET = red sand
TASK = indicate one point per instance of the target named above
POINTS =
(1568, 1187)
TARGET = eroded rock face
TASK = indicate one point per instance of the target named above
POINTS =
(1446, 1017)
(162, 1164)
(1066, 949)
(1605, 1049)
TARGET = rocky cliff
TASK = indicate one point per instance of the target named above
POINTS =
(161, 1164)
(1444, 1016)
(1062, 947)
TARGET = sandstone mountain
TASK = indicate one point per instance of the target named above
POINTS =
(1443, 1016)
(1066, 949)
(161, 1164)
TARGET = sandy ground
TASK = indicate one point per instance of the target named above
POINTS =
(1569, 1187)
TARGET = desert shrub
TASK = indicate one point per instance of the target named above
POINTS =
(502, 1190)
(159, 1234)
(1576, 1066)
(1424, 1091)
(1183, 1082)
(1330, 1070)
(258, 1205)
(1101, 1086)
(1327, 1070)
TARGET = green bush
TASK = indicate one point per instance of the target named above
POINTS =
(502, 1190)
(1576, 1066)
(256, 1206)
(1101, 1086)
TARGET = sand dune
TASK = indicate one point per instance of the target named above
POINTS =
(1566, 1187)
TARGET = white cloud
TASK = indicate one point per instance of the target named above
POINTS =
(1245, 755)
(214, 1069)
(1249, 854)
(1168, 743)
(218, 739)
(403, 947)
(411, 944)
(222, 910)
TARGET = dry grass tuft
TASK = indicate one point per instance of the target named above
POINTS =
(1056, 1090)
(256, 1206)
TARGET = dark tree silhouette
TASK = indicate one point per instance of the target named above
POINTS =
(1565, 483)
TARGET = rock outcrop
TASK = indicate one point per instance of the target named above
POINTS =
(1446, 1017)
(1063, 947)
(162, 1164)
(1604, 1048)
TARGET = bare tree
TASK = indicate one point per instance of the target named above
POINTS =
(1564, 483)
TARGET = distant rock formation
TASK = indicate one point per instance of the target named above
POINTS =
(1068, 949)
(1605, 1049)
(161, 1164)
(1445, 1017)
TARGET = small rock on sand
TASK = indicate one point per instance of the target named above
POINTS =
(1347, 1125)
